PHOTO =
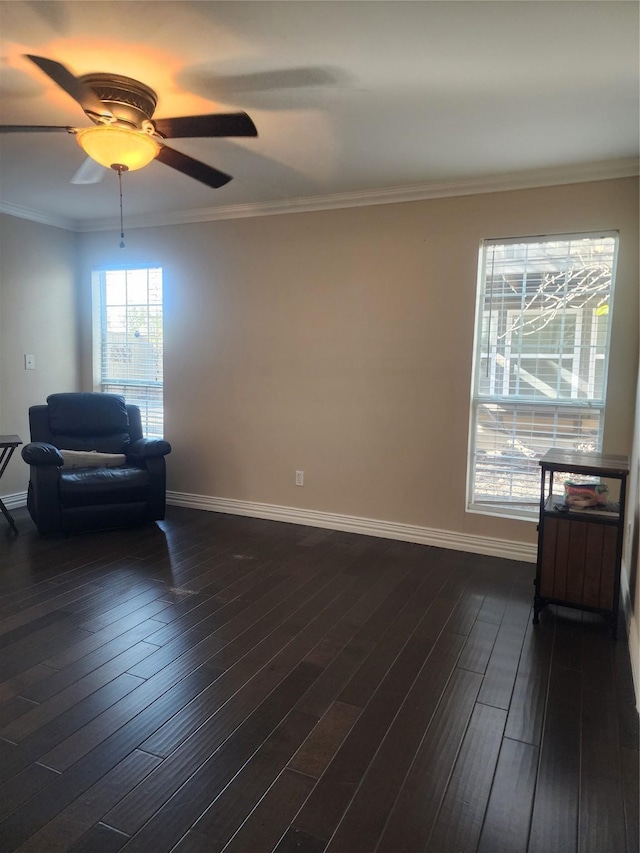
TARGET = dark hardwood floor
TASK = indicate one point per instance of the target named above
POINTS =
(221, 683)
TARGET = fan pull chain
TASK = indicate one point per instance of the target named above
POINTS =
(120, 170)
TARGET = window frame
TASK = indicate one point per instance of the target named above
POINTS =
(99, 309)
(517, 511)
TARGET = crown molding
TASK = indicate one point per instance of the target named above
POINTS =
(530, 179)
(55, 220)
(603, 170)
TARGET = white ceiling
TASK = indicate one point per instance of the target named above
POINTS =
(361, 97)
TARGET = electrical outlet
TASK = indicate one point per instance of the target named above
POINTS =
(299, 478)
(29, 362)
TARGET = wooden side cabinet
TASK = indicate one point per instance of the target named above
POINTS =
(579, 550)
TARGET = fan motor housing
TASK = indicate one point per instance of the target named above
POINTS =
(129, 100)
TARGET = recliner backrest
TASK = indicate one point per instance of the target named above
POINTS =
(87, 414)
(86, 421)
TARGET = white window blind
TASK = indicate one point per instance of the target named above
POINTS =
(130, 341)
(540, 367)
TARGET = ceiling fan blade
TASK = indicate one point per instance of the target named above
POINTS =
(193, 168)
(282, 78)
(220, 86)
(220, 124)
(78, 90)
(33, 128)
(89, 173)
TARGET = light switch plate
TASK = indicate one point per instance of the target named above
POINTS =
(29, 362)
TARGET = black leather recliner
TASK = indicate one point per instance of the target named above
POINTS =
(64, 499)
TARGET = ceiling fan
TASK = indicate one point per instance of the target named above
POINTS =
(124, 136)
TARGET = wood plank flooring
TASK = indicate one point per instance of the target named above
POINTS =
(220, 683)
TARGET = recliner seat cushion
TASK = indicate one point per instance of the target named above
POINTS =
(97, 486)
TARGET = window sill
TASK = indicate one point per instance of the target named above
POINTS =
(512, 514)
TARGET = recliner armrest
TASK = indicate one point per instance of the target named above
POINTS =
(147, 448)
(41, 453)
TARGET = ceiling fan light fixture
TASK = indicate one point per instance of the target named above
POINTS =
(118, 146)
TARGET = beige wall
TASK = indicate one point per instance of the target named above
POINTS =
(38, 315)
(631, 555)
(340, 343)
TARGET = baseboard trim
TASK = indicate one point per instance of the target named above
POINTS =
(633, 632)
(15, 501)
(634, 654)
(353, 524)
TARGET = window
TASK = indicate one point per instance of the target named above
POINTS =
(128, 351)
(539, 379)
